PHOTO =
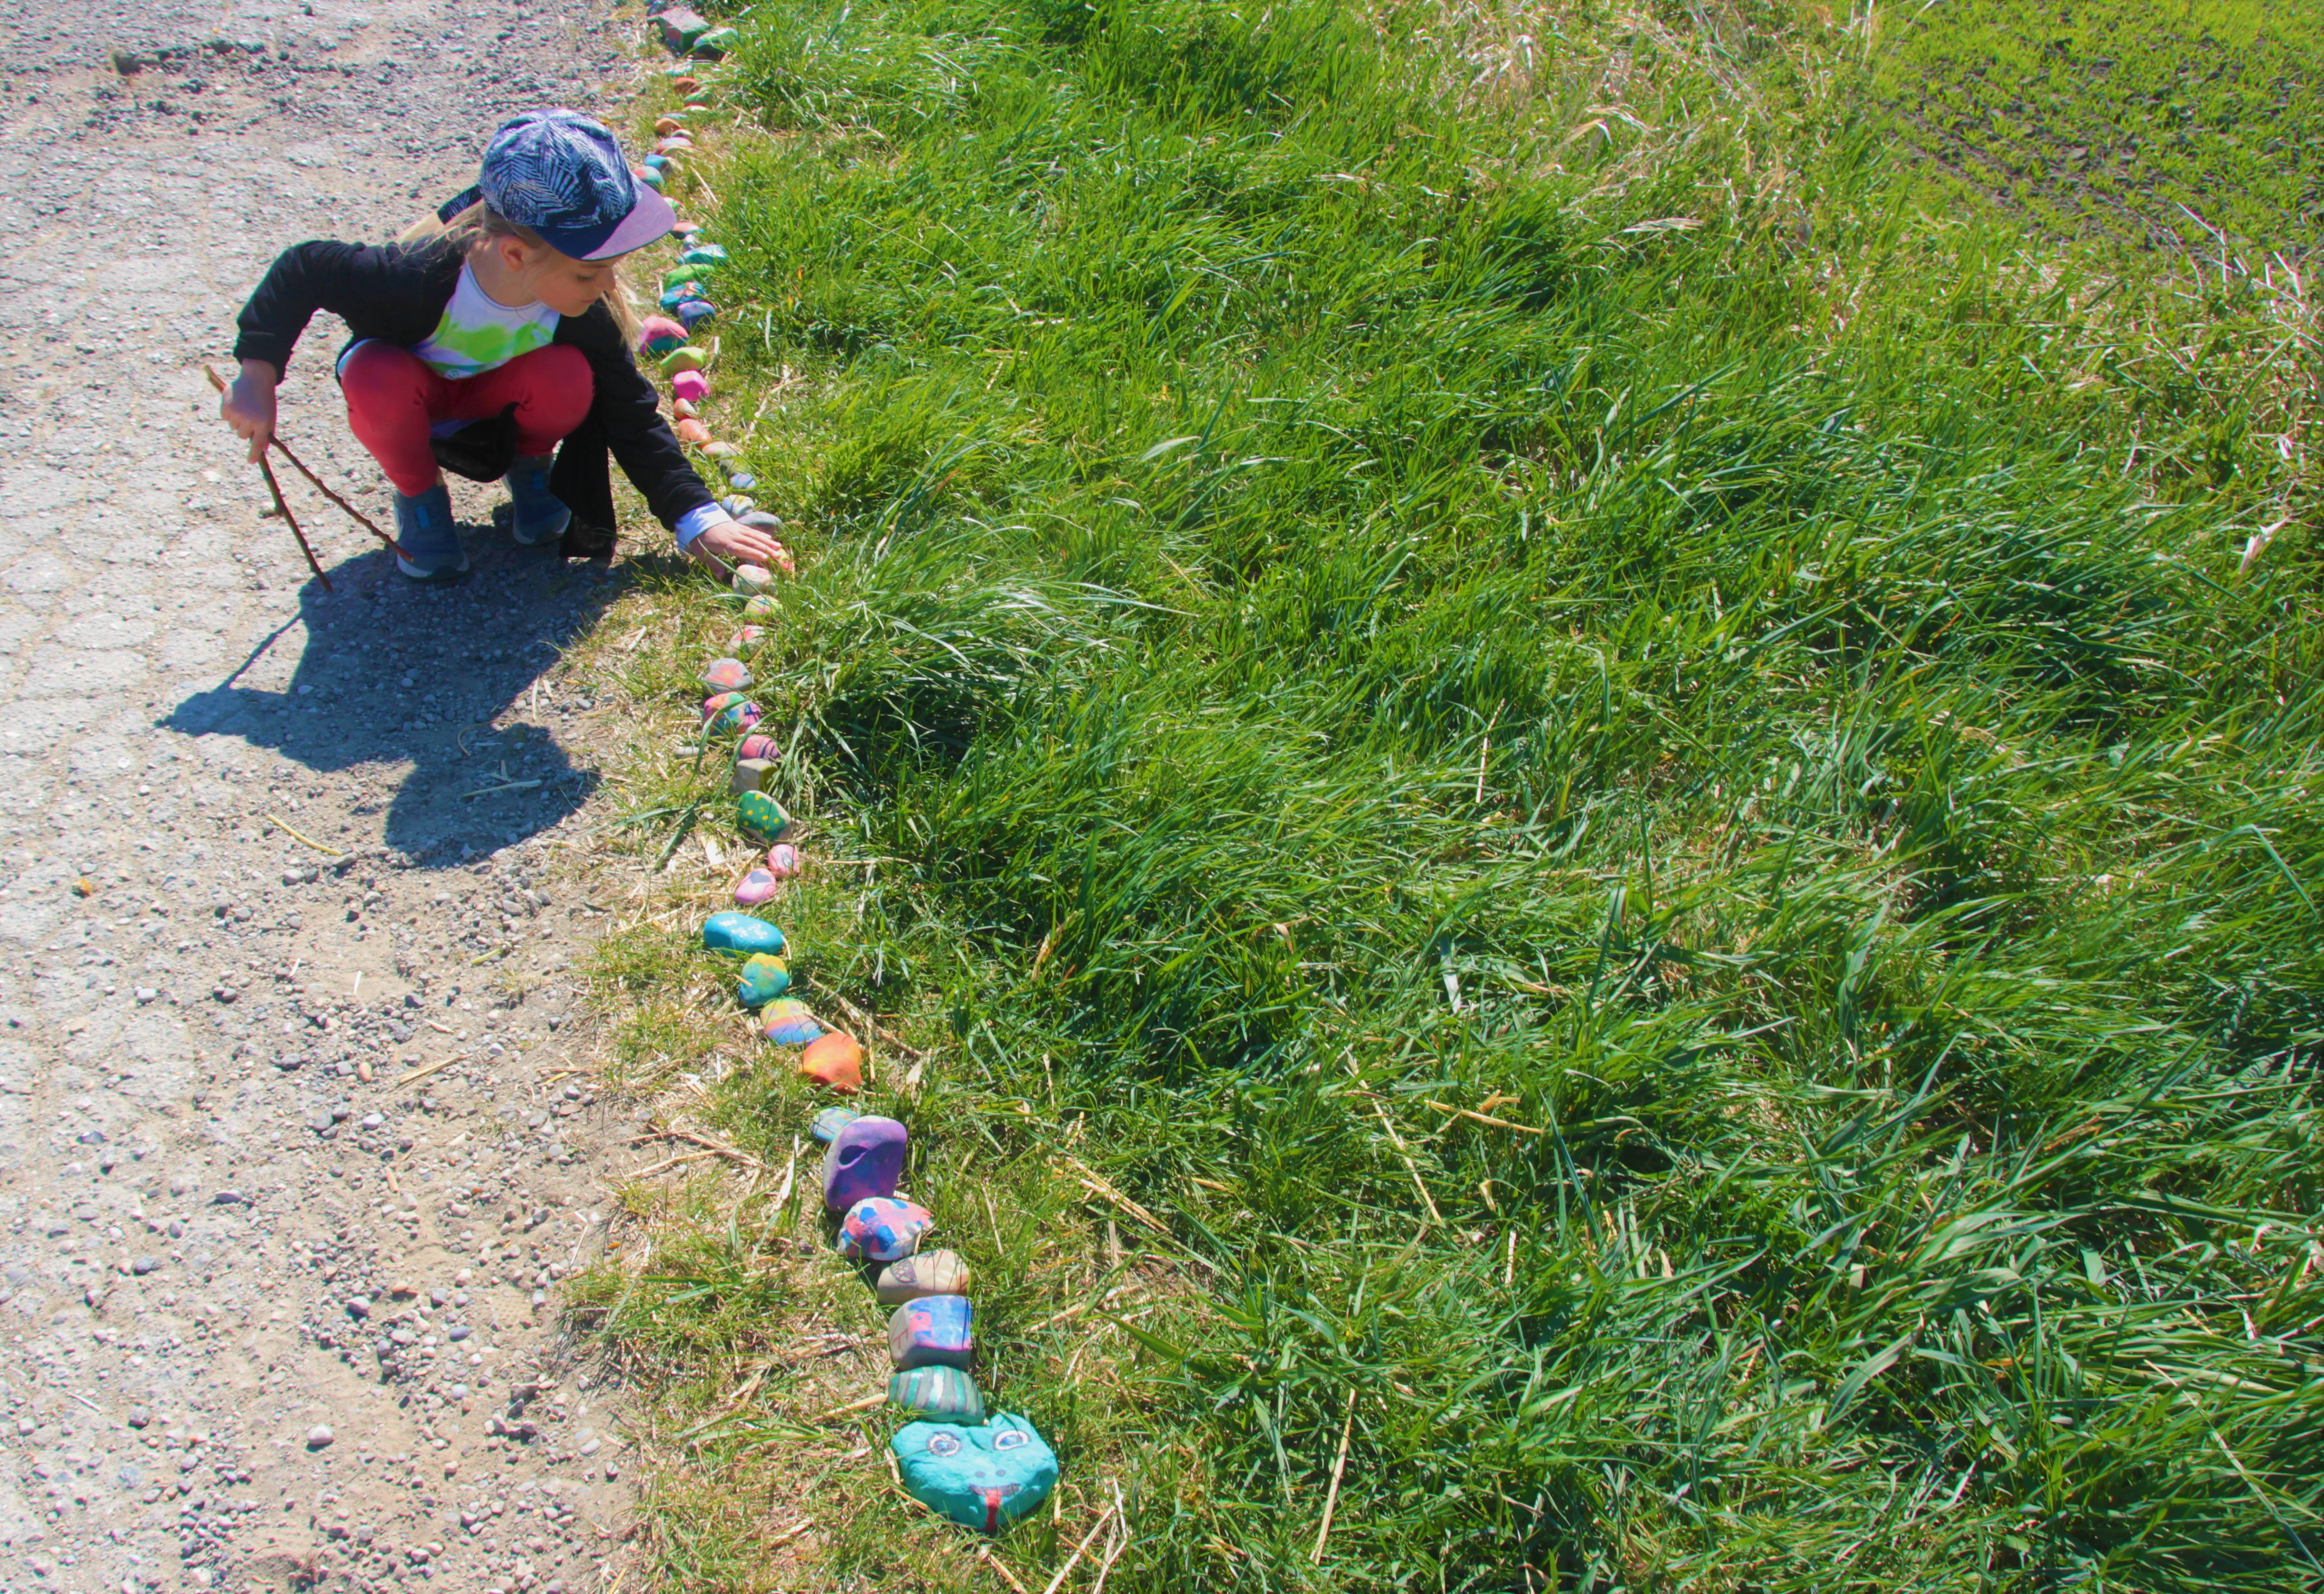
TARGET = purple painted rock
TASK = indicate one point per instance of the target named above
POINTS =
(866, 1160)
(759, 747)
(788, 1023)
(690, 385)
(658, 335)
(756, 887)
(783, 860)
(931, 1332)
(883, 1229)
(829, 1123)
(750, 774)
(936, 1273)
(694, 312)
(726, 674)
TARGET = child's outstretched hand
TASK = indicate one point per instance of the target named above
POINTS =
(248, 406)
(732, 543)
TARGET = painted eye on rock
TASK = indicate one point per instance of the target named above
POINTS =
(1007, 1439)
(943, 1444)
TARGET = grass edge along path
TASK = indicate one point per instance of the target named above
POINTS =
(1580, 843)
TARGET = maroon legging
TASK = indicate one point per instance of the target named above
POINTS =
(392, 399)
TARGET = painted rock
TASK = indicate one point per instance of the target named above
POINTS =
(718, 701)
(750, 774)
(830, 1121)
(673, 299)
(788, 1023)
(836, 1060)
(681, 29)
(931, 1332)
(936, 1273)
(883, 1228)
(758, 747)
(677, 144)
(737, 714)
(735, 504)
(692, 386)
(669, 124)
(658, 335)
(649, 177)
(761, 980)
(745, 642)
(692, 431)
(866, 1160)
(783, 861)
(687, 358)
(687, 83)
(752, 578)
(741, 481)
(657, 161)
(741, 932)
(946, 1394)
(693, 310)
(715, 44)
(982, 1475)
(709, 254)
(726, 674)
(760, 606)
(679, 276)
(754, 888)
(683, 410)
(721, 451)
(761, 818)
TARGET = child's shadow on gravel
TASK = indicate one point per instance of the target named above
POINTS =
(392, 670)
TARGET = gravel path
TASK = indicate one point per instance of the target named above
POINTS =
(271, 1320)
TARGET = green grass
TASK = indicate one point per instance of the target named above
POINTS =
(2122, 119)
(1364, 583)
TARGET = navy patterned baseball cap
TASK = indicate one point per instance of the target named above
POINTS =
(562, 175)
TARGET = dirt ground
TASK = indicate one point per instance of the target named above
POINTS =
(275, 1314)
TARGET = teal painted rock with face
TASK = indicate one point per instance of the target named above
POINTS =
(983, 1476)
(761, 980)
(761, 818)
(943, 1393)
(743, 933)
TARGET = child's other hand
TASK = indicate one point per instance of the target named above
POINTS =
(248, 406)
(733, 543)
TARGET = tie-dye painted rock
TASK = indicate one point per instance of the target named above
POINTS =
(756, 746)
(658, 335)
(829, 1123)
(760, 606)
(834, 1060)
(750, 774)
(788, 1023)
(883, 1229)
(684, 358)
(741, 481)
(725, 675)
(761, 980)
(982, 1475)
(690, 385)
(745, 642)
(945, 1394)
(649, 175)
(783, 861)
(694, 309)
(735, 504)
(866, 1160)
(931, 1273)
(741, 933)
(752, 578)
(761, 818)
(703, 254)
(740, 715)
(756, 887)
(933, 1330)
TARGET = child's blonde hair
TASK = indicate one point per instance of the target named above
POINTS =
(480, 223)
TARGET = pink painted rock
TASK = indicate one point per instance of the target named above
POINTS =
(783, 860)
(692, 431)
(726, 674)
(757, 887)
(658, 335)
(759, 747)
(752, 580)
(691, 386)
(743, 644)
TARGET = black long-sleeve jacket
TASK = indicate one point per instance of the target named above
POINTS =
(397, 292)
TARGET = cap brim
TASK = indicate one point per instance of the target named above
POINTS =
(650, 218)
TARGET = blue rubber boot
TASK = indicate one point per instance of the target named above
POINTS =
(423, 525)
(539, 515)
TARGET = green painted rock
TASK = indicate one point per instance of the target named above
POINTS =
(687, 358)
(761, 818)
(761, 980)
(944, 1393)
(703, 254)
(741, 932)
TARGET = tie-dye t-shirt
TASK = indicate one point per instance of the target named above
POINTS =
(476, 334)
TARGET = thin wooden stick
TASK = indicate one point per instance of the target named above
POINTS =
(360, 519)
(1332, 1497)
(984, 1553)
(1073, 1560)
(291, 520)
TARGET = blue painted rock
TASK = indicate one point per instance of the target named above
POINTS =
(884, 1231)
(738, 715)
(756, 887)
(693, 309)
(760, 606)
(946, 1394)
(737, 505)
(741, 933)
(658, 335)
(761, 980)
(725, 675)
(741, 481)
(676, 300)
(783, 860)
(829, 1123)
(753, 578)
(703, 254)
(745, 642)
(984, 1476)
(866, 1160)
(788, 1023)
(750, 774)
(761, 818)
(657, 161)
(759, 747)
(933, 1331)
(934, 1273)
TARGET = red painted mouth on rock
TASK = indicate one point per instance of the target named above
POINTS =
(991, 1510)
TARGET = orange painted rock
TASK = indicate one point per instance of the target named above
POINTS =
(692, 431)
(834, 1060)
